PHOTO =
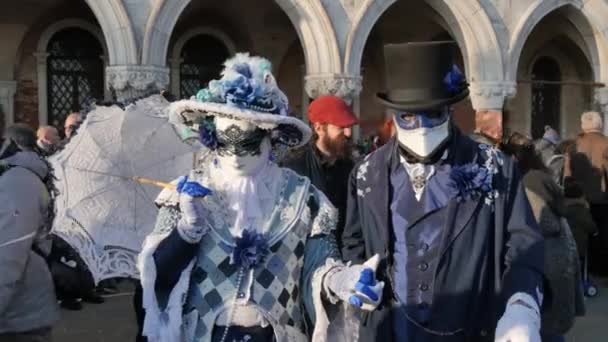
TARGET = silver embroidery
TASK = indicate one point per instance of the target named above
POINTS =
(493, 159)
(362, 176)
(362, 171)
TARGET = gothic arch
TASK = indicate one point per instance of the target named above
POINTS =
(50, 31)
(175, 59)
(470, 26)
(118, 31)
(585, 16)
(41, 55)
(210, 31)
(309, 19)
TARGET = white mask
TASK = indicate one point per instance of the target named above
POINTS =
(423, 139)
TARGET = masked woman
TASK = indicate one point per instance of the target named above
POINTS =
(243, 250)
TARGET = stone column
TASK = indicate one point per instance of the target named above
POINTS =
(175, 76)
(133, 81)
(7, 101)
(601, 99)
(488, 99)
(347, 87)
(41, 58)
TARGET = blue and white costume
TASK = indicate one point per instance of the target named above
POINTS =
(252, 258)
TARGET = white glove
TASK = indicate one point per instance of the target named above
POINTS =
(521, 320)
(357, 284)
(191, 226)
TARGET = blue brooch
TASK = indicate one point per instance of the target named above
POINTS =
(470, 181)
(473, 180)
(250, 250)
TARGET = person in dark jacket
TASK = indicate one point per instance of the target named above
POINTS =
(326, 160)
(579, 215)
(589, 166)
(28, 309)
(562, 268)
(460, 252)
(23, 135)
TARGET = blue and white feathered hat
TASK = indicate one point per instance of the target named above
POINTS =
(246, 91)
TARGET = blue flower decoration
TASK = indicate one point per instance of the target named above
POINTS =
(454, 81)
(250, 250)
(243, 69)
(208, 134)
(246, 83)
(470, 181)
(193, 189)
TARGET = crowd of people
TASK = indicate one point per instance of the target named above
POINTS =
(432, 235)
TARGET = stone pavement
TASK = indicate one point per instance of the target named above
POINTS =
(114, 321)
(594, 326)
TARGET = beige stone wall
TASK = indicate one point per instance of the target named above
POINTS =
(340, 41)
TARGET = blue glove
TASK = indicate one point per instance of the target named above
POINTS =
(193, 189)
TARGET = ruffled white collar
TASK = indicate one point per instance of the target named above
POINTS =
(250, 197)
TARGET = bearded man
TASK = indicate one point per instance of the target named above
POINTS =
(327, 160)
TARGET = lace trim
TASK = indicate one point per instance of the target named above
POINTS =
(326, 219)
(109, 262)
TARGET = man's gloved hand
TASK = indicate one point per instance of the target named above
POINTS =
(357, 284)
(191, 226)
(521, 320)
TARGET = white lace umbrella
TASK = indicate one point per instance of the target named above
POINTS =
(102, 210)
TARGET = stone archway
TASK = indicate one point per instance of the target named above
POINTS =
(309, 19)
(577, 13)
(118, 31)
(42, 54)
(175, 57)
(574, 50)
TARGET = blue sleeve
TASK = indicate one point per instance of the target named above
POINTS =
(172, 255)
(318, 250)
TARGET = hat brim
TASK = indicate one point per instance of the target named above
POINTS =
(186, 112)
(420, 105)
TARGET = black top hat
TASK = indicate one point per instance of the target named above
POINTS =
(422, 76)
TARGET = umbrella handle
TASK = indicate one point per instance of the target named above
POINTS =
(163, 185)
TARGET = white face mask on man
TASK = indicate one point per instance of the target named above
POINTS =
(422, 134)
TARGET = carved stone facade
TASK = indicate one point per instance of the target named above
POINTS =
(345, 86)
(132, 81)
(339, 48)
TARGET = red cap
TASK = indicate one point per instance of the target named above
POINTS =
(331, 110)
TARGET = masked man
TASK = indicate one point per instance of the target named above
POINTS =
(253, 258)
(460, 253)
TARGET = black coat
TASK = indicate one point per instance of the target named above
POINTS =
(486, 253)
(332, 179)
